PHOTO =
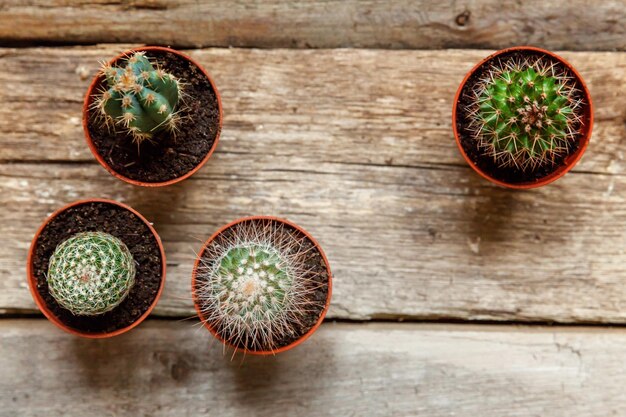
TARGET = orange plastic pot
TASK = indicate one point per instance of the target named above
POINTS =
(32, 281)
(570, 160)
(294, 343)
(98, 79)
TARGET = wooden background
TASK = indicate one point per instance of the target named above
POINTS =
(452, 297)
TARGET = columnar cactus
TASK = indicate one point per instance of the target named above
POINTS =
(524, 113)
(254, 289)
(138, 97)
(91, 273)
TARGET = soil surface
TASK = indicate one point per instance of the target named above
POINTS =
(165, 156)
(512, 175)
(131, 230)
(317, 278)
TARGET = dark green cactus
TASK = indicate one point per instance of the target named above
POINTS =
(525, 114)
(139, 98)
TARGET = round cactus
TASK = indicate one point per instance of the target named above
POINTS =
(251, 283)
(525, 113)
(91, 273)
(138, 97)
(254, 285)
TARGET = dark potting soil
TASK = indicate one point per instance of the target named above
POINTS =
(131, 230)
(165, 156)
(317, 277)
(512, 175)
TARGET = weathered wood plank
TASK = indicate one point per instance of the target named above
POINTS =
(350, 106)
(413, 242)
(560, 24)
(368, 167)
(166, 368)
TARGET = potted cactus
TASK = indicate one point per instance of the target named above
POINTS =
(261, 285)
(96, 268)
(522, 117)
(152, 116)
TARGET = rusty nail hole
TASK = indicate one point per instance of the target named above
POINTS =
(463, 18)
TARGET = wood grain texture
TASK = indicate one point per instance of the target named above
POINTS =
(167, 368)
(402, 242)
(349, 106)
(361, 155)
(422, 24)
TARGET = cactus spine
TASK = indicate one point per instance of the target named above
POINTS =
(525, 113)
(254, 287)
(91, 273)
(139, 98)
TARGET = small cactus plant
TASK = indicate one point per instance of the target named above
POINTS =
(91, 273)
(253, 288)
(524, 113)
(138, 97)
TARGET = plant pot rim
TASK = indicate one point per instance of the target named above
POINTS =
(32, 281)
(569, 162)
(300, 339)
(100, 159)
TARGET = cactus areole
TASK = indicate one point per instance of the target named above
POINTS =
(261, 285)
(91, 273)
(139, 97)
(522, 117)
(152, 116)
(96, 268)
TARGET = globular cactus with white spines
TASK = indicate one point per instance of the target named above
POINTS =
(254, 288)
(139, 98)
(91, 273)
(525, 113)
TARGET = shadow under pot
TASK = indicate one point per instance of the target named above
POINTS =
(152, 116)
(96, 268)
(522, 117)
(261, 285)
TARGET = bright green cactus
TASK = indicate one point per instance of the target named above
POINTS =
(525, 114)
(254, 288)
(139, 98)
(91, 273)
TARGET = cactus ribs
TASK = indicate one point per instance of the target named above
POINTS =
(520, 116)
(124, 225)
(91, 273)
(261, 285)
(153, 116)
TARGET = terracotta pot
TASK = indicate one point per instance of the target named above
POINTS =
(570, 160)
(32, 280)
(89, 99)
(292, 344)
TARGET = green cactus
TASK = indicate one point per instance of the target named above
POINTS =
(251, 282)
(254, 287)
(91, 273)
(139, 98)
(525, 114)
